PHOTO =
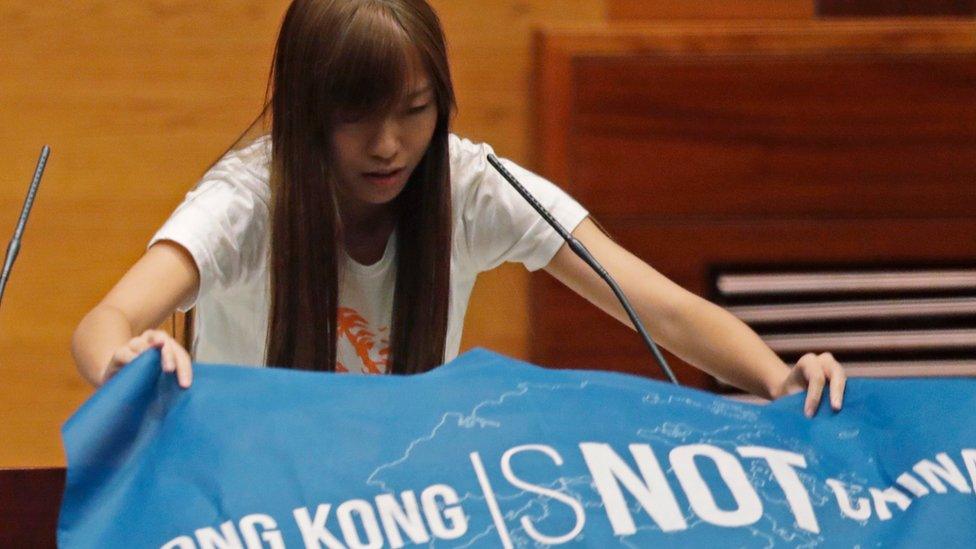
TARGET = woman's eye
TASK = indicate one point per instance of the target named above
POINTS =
(418, 109)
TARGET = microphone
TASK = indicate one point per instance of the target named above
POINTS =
(586, 256)
(14, 247)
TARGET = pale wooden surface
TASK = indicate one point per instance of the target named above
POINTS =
(136, 100)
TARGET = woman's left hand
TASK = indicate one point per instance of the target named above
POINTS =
(812, 372)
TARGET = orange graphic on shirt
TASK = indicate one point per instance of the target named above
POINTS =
(354, 328)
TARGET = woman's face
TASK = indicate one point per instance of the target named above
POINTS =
(376, 155)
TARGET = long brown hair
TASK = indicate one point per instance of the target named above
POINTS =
(342, 56)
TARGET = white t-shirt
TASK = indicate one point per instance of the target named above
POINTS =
(224, 223)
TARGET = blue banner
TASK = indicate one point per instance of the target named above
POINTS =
(487, 451)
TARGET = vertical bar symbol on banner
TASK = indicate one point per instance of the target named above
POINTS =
(496, 513)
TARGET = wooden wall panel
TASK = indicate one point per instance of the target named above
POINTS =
(635, 10)
(136, 100)
(780, 134)
(698, 144)
(560, 49)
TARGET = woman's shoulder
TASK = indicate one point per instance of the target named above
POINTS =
(244, 170)
(466, 155)
(469, 164)
(255, 153)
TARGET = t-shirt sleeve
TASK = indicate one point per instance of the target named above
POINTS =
(498, 224)
(223, 222)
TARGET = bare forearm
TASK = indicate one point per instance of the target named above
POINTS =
(98, 335)
(714, 340)
(699, 332)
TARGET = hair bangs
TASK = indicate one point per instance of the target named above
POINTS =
(375, 59)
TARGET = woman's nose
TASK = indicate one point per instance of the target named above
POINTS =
(385, 142)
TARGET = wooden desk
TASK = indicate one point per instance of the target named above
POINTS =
(30, 500)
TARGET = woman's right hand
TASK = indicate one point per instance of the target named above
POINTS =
(174, 356)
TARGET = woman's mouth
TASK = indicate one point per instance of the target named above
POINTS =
(386, 177)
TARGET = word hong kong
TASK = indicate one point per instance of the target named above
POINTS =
(700, 473)
(437, 514)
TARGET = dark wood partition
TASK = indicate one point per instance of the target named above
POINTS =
(783, 145)
(635, 10)
(896, 8)
(29, 503)
(632, 10)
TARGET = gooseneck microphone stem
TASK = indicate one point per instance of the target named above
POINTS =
(14, 247)
(586, 256)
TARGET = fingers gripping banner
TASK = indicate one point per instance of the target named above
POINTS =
(491, 452)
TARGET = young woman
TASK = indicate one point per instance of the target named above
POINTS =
(349, 238)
